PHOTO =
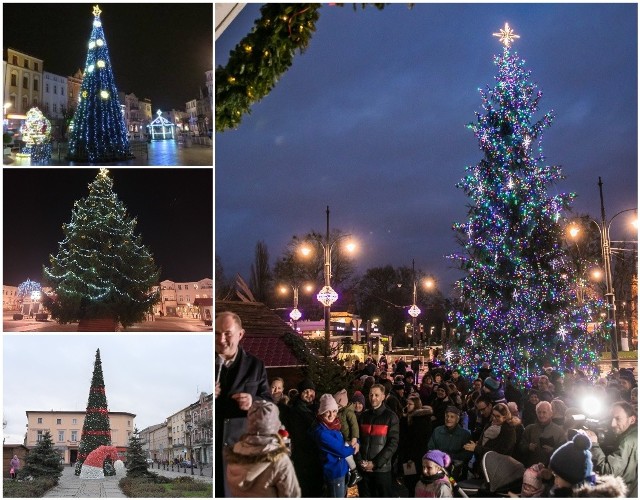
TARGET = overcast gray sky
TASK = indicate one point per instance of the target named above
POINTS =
(152, 376)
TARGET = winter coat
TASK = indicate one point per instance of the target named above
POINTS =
(415, 431)
(497, 396)
(259, 466)
(606, 487)
(451, 442)
(299, 420)
(349, 423)
(550, 434)
(440, 488)
(622, 462)
(15, 464)
(379, 437)
(504, 443)
(332, 451)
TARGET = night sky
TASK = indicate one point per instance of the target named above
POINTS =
(173, 207)
(371, 120)
(159, 51)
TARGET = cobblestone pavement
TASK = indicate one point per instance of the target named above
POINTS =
(71, 486)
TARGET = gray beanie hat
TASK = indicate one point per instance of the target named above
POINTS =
(263, 418)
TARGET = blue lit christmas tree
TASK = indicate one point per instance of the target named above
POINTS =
(99, 133)
(102, 269)
(519, 307)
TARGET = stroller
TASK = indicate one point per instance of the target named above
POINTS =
(501, 474)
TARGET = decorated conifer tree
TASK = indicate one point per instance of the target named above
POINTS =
(99, 133)
(43, 460)
(102, 269)
(96, 430)
(518, 309)
(136, 457)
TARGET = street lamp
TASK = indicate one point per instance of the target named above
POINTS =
(328, 295)
(605, 244)
(189, 428)
(414, 310)
(295, 313)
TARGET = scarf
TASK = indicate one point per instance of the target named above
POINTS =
(430, 479)
(334, 426)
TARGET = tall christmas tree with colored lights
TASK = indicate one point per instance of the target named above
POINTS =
(96, 430)
(99, 133)
(102, 269)
(518, 309)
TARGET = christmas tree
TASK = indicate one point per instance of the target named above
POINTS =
(99, 133)
(136, 457)
(102, 269)
(519, 308)
(95, 430)
(43, 460)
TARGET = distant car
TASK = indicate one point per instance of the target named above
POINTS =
(187, 464)
(149, 460)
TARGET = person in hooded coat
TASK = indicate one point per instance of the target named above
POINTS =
(415, 431)
(258, 465)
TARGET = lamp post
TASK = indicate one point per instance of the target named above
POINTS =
(605, 246)
(328, 295)
(295, 313)
(414, 310)
(189, 428)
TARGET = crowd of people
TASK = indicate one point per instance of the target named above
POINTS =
(402, 429)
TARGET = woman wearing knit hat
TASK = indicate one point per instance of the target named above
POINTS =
(434, 481)
(258, 465)
(333, 449)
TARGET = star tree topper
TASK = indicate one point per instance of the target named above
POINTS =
(506, 35)
(96, 11)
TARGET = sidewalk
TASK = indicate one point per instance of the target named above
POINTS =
(71, 486)
(206, 473)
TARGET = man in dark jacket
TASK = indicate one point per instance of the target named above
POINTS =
(379, 437)
(240, 379)
(305, 455)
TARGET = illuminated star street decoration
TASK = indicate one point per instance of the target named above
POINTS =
(414, 311)
(448, 355)
(506, 35)
(295, 314)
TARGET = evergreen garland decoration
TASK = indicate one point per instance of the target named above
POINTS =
(257, 62)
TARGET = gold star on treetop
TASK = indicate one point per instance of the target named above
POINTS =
(506, 35)
(96, 11)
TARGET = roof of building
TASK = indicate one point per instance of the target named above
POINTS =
(79, 411)
(203, 301)
(264, 333)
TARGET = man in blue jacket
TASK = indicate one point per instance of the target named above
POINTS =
(379, 437)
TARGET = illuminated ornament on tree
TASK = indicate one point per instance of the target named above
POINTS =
(515, 295)
(414, 311)
(99, 133)
(563, 333)
(448, 355)
(327, 296)
(526, 141)
(295, 314)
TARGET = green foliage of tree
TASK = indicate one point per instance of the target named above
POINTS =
(102, 269)
(43, 461)
(136, 457)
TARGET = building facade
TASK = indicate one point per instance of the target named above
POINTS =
(22, 81)
(199, 424)
(177, 299)
(54, 95)
(137, 114)
(9, 298)
(65, 428)
(155, 441)
(74, 83)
